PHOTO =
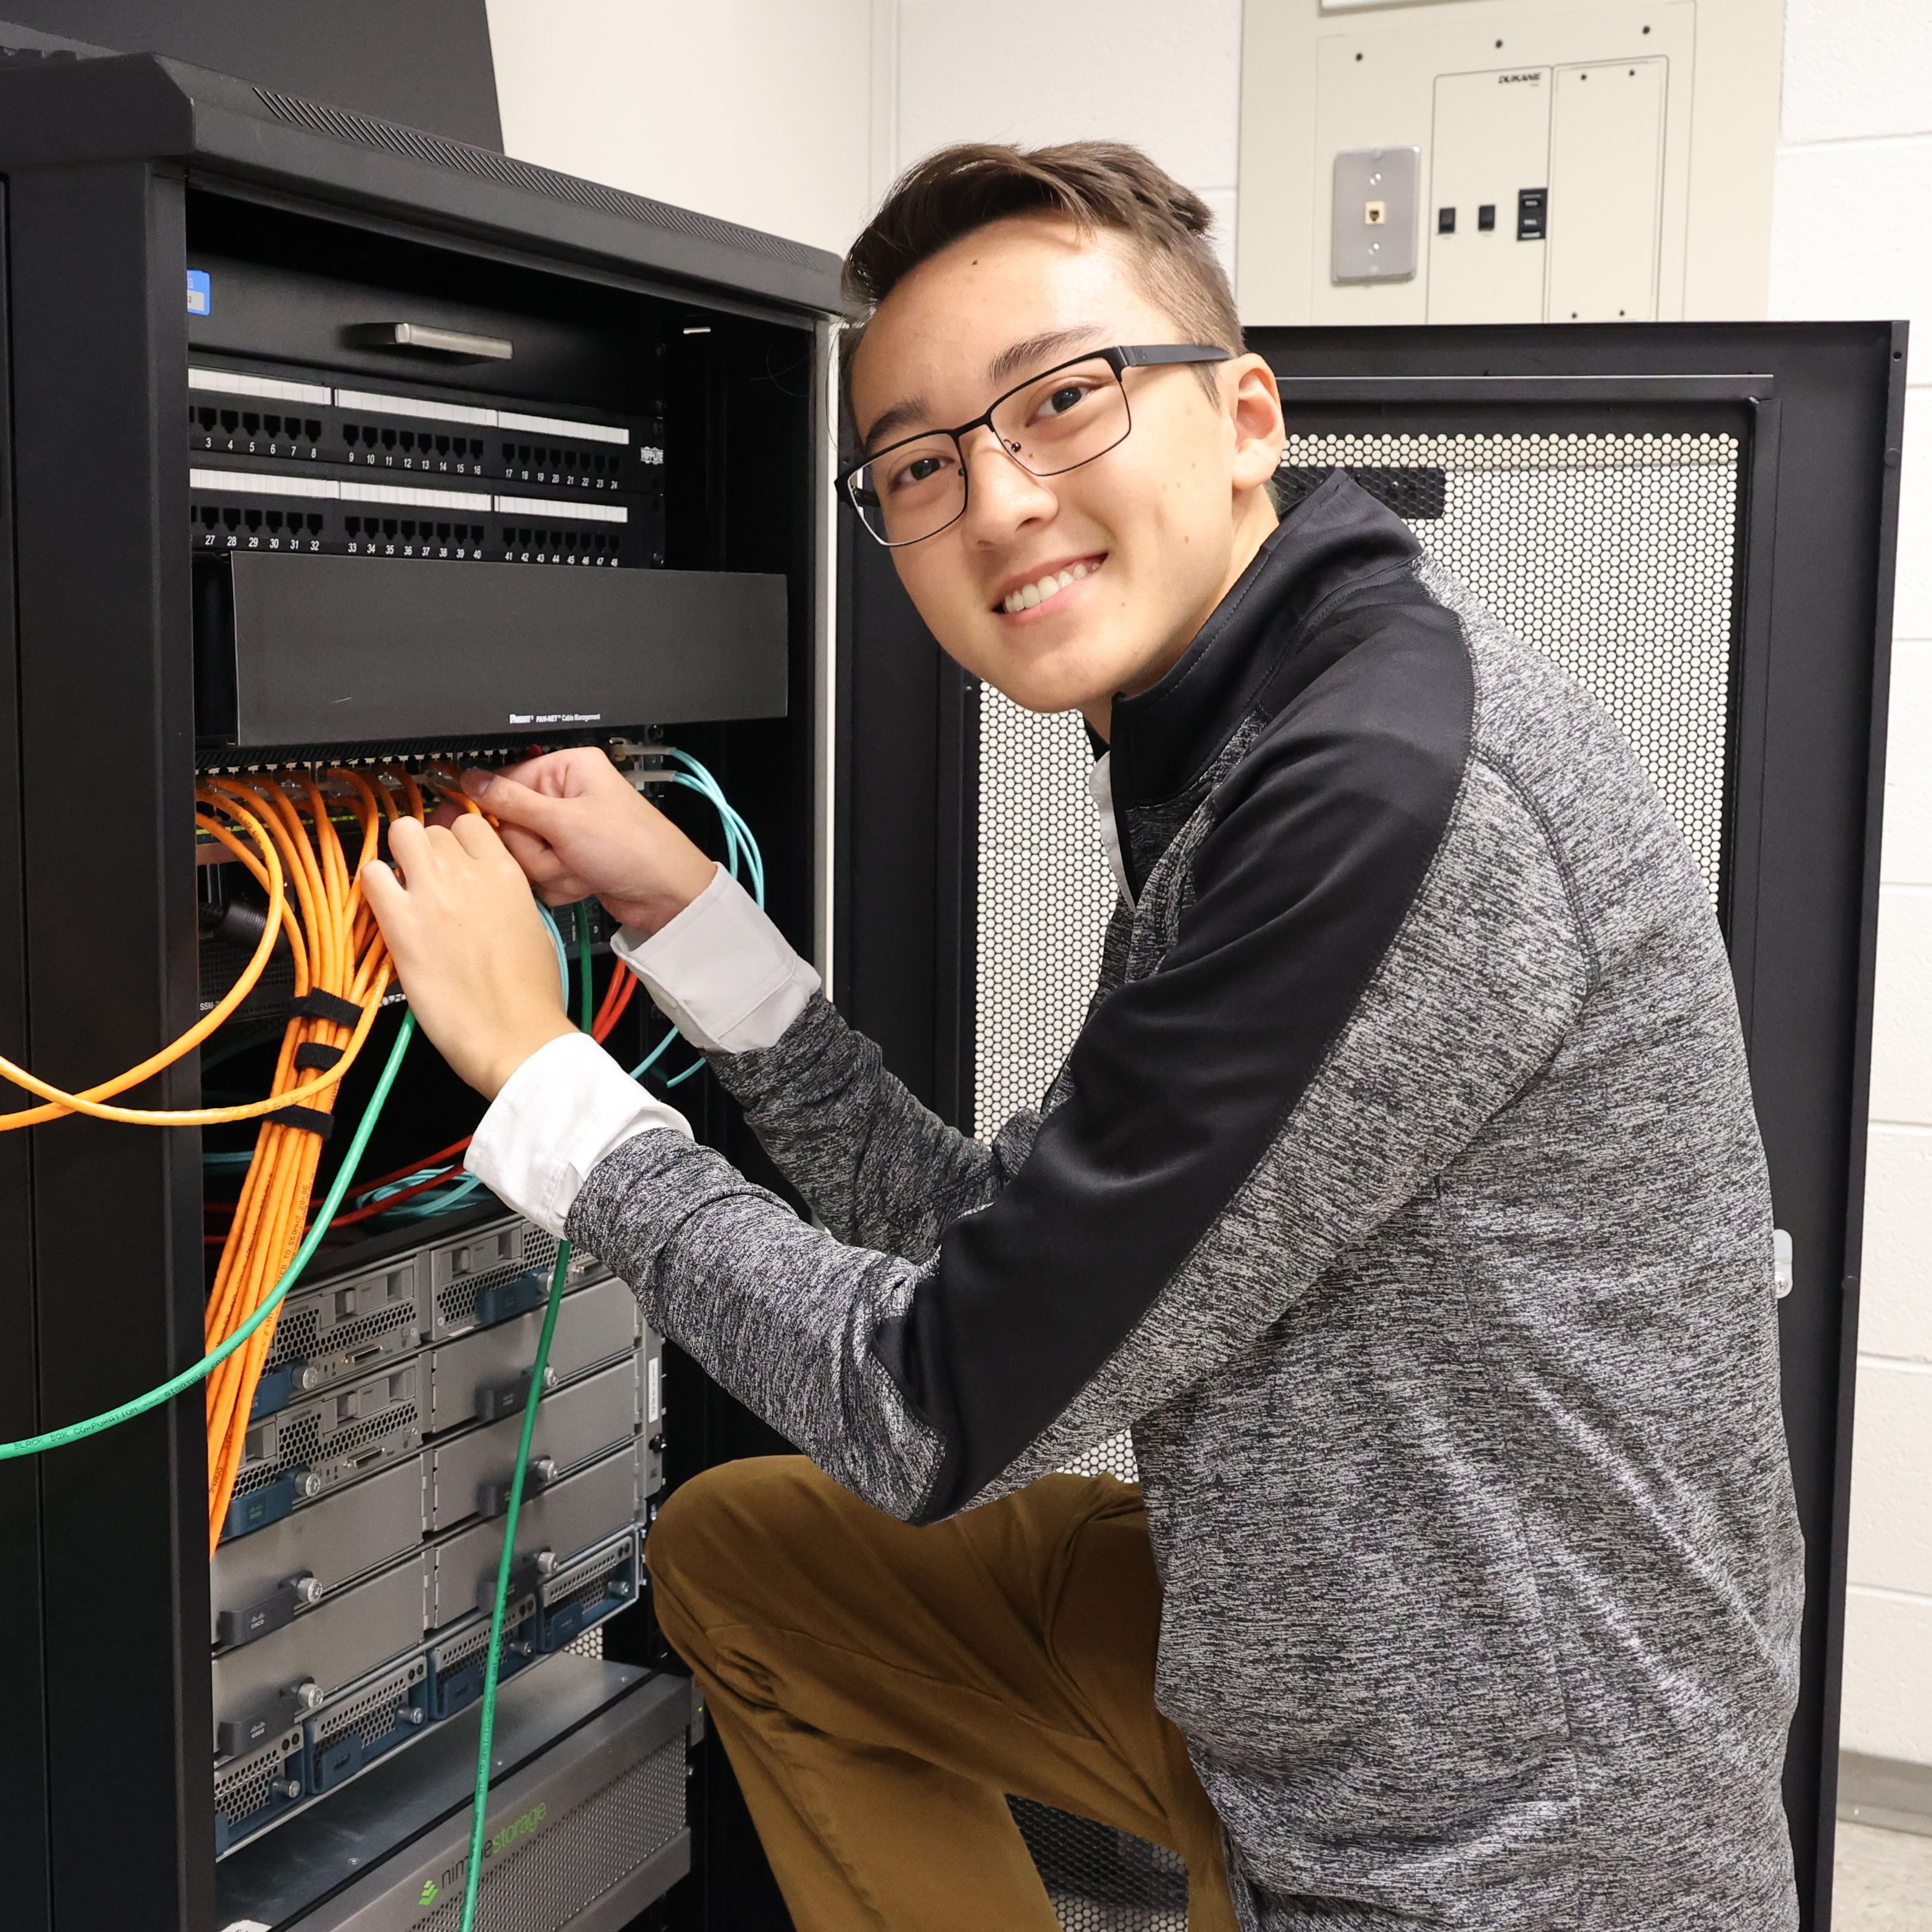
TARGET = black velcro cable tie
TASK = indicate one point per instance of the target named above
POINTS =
(330, 1006)
(307, 1120)
(312, 1053)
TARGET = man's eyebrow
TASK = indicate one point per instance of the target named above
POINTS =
(914, 412)
(1020, 357)
(905, 415)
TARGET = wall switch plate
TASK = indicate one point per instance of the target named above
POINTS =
(1374, 212)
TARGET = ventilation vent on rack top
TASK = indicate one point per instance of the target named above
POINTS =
(342, 124)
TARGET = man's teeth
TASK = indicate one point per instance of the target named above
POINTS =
(1028, 595)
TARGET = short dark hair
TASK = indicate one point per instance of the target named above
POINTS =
(1100, 186)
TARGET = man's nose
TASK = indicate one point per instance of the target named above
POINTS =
(1001, 496)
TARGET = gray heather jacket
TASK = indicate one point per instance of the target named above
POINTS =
(1403, 1192)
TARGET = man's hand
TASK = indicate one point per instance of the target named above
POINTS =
(574, 823)
(469, 947)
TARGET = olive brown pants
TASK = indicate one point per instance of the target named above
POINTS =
(881, 1688)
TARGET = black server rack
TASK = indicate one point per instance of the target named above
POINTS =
(1699, 521)
(335, 446)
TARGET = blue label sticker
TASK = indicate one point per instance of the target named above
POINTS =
(200, 293)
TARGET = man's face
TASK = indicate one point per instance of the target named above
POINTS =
(1154, 532)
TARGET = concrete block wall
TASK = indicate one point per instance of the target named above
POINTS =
(1852, 205)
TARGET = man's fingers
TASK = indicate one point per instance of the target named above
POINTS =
(409, 845)
(537, 855)
(381, 888)
(479, 840)
(556, 774)
(512, 802)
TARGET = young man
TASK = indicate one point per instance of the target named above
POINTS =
(1402, 1193)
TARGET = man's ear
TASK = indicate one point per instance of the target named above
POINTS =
(1259, 432)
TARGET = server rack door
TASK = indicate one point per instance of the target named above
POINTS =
(1697, 521)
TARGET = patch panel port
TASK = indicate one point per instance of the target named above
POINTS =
(442, 445)
(230, 421)
(210, 515)
(232, 517)
(274, 519)
(476, 445)
(389, 527)
(407, 438)
(351, 434)
(388, 439)
(312, 429)
(253, 518)
(409, 527)
(351, 526)
(442, 533)
(313, 520)
(273, 424)
(250, 421)
(206, 418)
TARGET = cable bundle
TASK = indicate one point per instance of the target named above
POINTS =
(341, 972)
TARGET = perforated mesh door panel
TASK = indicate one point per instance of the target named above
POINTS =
(1614, 555)
(1100, 1879)
(1045, 892)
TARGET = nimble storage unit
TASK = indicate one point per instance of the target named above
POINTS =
(338, 453)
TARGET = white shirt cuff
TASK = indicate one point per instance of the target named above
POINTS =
(720, 971)
(553, 1120)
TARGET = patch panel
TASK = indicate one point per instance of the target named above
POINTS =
(241, 510)
(241, 412)
(293, 438)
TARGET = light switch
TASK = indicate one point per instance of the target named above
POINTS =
(1374, 214)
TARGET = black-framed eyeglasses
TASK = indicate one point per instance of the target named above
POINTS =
(1051, 423)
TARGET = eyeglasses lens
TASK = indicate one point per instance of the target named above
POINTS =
(1064, 419)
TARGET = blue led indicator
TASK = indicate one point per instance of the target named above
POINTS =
(200, 293)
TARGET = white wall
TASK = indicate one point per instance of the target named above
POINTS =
(1852, 210)
(797, 117)
(755, 110)
(1164, 74)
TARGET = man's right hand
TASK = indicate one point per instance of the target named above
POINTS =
(579, 831)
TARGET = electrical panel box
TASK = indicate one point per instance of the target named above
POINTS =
(1602, 164)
